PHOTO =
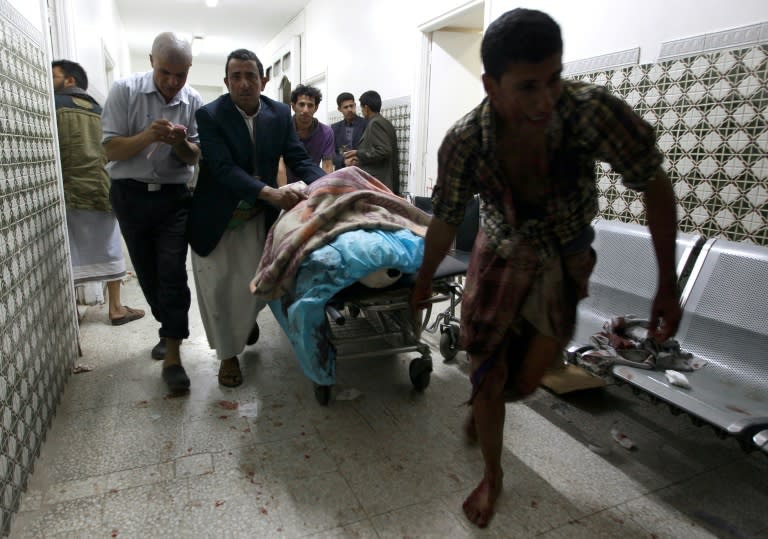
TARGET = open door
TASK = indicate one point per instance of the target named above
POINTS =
(455, 87)
(450, 85)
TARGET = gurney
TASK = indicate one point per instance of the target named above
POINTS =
(350, 227)
(367, 322)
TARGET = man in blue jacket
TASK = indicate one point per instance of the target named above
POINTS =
(236, 200)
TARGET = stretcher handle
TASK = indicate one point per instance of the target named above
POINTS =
(335, 315)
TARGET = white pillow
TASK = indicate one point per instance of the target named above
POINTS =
(381, 278)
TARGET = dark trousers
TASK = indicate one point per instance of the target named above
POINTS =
(153, 224)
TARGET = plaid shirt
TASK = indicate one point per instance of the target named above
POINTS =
(589, 125)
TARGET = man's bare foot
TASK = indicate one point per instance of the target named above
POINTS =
(470, 430)
(480, 504)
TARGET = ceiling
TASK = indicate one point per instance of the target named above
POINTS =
(233, 24)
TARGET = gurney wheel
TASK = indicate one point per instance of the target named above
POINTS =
(419, 371)
(449, 343)
(323, 394)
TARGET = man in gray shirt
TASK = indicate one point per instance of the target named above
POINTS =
(150, 137)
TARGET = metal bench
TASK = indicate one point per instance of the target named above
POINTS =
(725, 322)
(761, 440)
(625, 276)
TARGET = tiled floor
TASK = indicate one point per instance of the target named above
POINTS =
(125, 460)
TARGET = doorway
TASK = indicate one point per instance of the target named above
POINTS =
(450, 85)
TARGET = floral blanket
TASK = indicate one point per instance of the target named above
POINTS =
(345, 200)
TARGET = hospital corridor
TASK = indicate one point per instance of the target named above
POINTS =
(383, 269)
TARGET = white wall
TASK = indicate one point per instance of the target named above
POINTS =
(596, 27)
(283, 42)
(375, 44)
(90, 31)
(96, 27)
(362, 44)
(359, 44)
(31, 11)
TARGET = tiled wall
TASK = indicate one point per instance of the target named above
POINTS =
(397, 111)
(711, 115)
(38, 327)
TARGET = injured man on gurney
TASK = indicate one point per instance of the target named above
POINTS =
(350, 229)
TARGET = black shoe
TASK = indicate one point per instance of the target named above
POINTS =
(176, 378)
(158, 352)
(253, 336)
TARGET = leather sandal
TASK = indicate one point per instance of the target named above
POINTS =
(130, 316)
(229, 373)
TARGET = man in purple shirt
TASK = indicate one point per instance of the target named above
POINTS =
(317, 137)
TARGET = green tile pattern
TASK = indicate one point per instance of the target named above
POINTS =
(38, 333)
(710, 113)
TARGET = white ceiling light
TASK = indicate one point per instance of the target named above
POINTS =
(211, 3)
(197, 45)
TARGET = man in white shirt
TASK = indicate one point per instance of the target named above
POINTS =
(150, 137)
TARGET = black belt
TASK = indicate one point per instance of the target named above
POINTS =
(150, 187)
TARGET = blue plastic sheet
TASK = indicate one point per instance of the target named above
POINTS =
(325, 272)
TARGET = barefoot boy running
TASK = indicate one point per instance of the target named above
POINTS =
(529, 149)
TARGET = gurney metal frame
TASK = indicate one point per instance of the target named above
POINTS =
(361, 316)
(447, 320)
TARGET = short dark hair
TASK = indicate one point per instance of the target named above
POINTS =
(519, 36)
(344, 96)
(309, 91)
(74, 70)
(245, 55)
(372, 99)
